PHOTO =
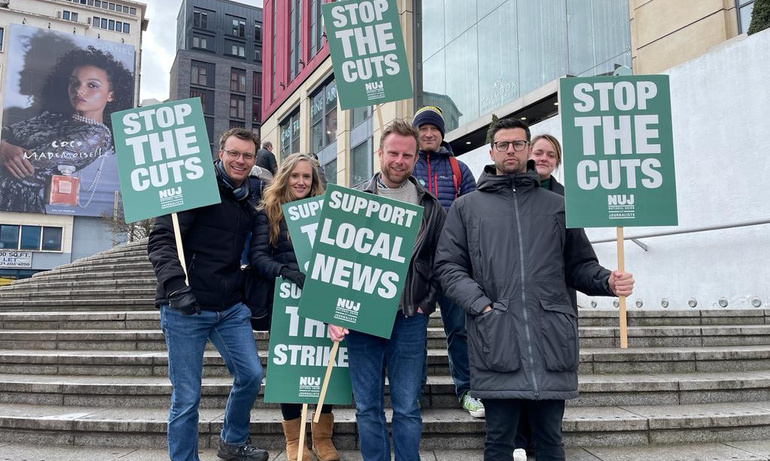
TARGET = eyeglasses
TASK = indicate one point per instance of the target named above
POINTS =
(518, 146)
(234, 154)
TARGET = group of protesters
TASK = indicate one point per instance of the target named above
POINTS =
(495, 256)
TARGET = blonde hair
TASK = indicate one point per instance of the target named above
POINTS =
(553, 141)
(278, 192)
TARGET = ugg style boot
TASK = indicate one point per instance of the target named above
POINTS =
(291, 433)
(322, 438)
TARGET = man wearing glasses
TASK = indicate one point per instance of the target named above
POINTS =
(506, 257)
(206, 303)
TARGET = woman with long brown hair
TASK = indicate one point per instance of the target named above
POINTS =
(297, 178)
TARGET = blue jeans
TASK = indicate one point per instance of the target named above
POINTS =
(403, 355)
(453, 318)
(186, 335)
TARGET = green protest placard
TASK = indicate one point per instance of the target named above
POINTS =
(302, 220)
(360, 258)
(164, 159)
(299, 353)
(618, 151)
(367, 50)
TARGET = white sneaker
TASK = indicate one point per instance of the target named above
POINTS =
(519, 455)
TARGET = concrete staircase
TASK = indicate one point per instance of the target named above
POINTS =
(83, 364)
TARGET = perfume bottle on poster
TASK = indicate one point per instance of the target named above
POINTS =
(65, 188)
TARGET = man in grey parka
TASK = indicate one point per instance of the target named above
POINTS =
(506, 257)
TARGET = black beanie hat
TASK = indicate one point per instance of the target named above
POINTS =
(429, 115)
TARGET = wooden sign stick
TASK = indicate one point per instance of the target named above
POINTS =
(325, 386)
(179, 249)
(303, 423)
(622, 299)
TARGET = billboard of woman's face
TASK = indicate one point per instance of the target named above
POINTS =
(57, 153)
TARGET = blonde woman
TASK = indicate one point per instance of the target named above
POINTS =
(297, 178)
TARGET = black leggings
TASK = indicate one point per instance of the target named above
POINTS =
(294, 410)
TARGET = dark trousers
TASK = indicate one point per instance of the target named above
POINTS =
(502, 419)
(523, 432)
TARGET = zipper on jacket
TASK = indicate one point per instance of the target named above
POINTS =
(524, 294)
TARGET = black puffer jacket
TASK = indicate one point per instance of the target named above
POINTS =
(421, 287)
(506, 245)
(213, 238)
(268, 259)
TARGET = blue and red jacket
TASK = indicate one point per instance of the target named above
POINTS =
(434, 172)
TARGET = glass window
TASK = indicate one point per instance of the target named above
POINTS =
(295, 38)
(256, 89)
(126, 9)
(51, 239)
(237, 124)
(744, 15)
(258, 54)
(112, 6)
(550, 38)
(207, 99)
(119, 26)
(126, 29)
(323, 116)
(200, 19)
(98, 3)
(235, 49)
(96, 21)
(361, 163)
(65, 15)
(330, 169)
(359, 115)
(104, 23)
(316, 27)
(30, 238)
(74, 17)
(9, 237)
(256, 111)
(237, 106)
(112, 24)
(238, 27)
(199, 73)
(257, 31)
(200, 42)
(238, 80)
(2, 36)
(132, 10)
(290, 134)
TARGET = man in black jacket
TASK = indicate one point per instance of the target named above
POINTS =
(266, 158)
(204, 302)
(506, 257)
(404, 353)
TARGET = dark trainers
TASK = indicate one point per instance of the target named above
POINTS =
(244, 452)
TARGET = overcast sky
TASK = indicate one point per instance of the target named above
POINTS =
(159, 46)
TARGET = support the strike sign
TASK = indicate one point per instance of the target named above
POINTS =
(367, 51)
(618, 156)
(360, 258)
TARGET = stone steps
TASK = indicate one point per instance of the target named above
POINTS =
(636, 318)
(592, 361)
(628, 426)
(591, 337)
(595, 390)
(143, 282)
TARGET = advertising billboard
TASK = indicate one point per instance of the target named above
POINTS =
(57, 154)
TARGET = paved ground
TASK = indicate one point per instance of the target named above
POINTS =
(733, 451)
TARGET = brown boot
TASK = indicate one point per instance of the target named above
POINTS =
(291, 433)
(322, 438)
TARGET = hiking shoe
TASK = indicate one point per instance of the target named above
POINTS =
(473, 405)
(243, 452)
(519, 454)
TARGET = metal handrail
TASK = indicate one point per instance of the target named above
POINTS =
(635, 238)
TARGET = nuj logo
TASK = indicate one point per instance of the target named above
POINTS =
(309, 380)
(166, 193)
(620, 199)
(348, 304)
(373, 86)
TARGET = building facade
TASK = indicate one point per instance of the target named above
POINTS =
(53, 216)
(218, 59)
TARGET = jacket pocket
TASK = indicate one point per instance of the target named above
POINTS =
(493, 340)
(559, 337)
